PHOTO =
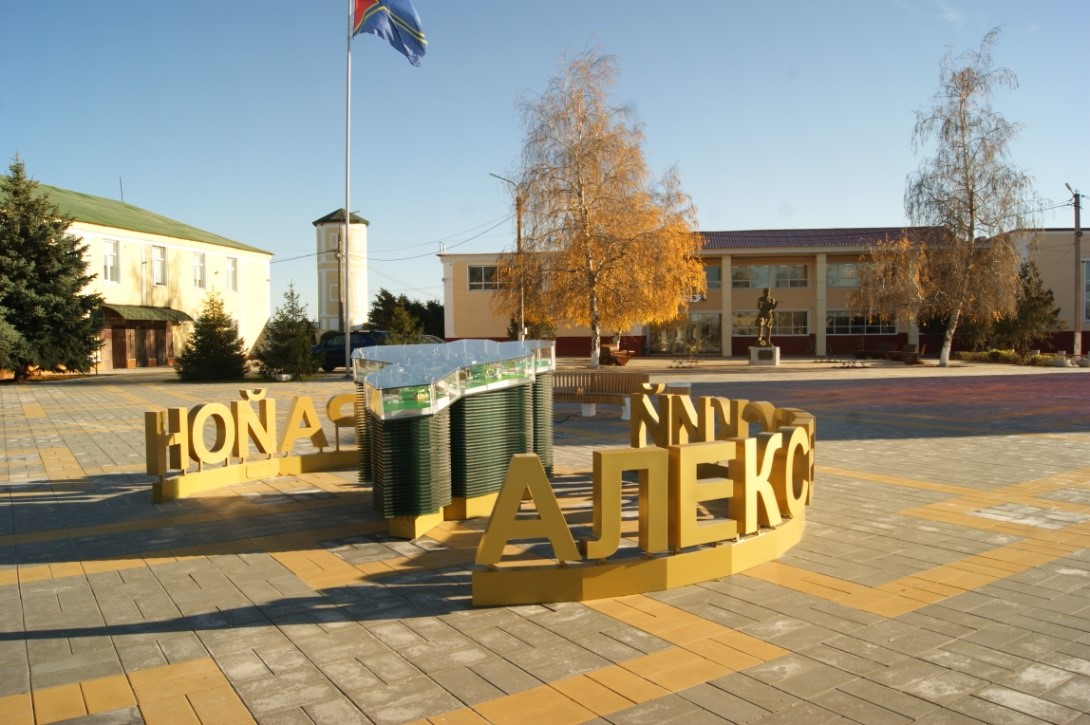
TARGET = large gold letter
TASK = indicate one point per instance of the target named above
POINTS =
(791, 471)
(687, 490)
(166, 441)
(259, 427)
(756, 505)
(653, 466)
(525, 473)
(225, 432)
(302, 411)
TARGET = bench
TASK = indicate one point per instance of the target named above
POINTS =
(881, 351)
(589, 387)
(614, 355)
(910, 356)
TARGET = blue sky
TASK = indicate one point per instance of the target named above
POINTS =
(229, 115)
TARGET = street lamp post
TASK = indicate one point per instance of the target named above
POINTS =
(1080, 285)
(518, 251)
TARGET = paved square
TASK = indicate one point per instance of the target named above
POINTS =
(944, 575)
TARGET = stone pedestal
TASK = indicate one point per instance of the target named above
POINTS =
(764, 355)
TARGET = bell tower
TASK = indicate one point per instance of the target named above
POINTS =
(329, 230)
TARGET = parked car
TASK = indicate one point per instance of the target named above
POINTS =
(330, 351)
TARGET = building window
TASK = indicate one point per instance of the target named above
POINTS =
(842, 275)
(198, 270)
(1086, 290)
(775, 276)
(159, 265)
(786, 322)
(483, 278)
(843, 322)
(713, 276)
(790, 275)
(232, 274)
(749, 276)
(111, 261)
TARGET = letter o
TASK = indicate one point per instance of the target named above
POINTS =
(225, 432)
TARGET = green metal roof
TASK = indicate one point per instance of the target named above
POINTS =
(146, 313)
(105, 212)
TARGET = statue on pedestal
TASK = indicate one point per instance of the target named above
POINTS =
(766, 304)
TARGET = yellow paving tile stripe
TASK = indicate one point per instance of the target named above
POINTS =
(33, 411)
(909, 593)
(193, 691)
(702, 651)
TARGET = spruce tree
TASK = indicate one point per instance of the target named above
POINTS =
(289, 340)
(1036, 317)
(405, 329)
(51, 320)
(214, 351)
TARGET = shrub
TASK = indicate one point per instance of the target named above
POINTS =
(214, 351)
(289, 341)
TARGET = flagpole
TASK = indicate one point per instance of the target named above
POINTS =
(345, 272)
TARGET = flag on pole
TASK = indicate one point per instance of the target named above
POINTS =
(394, 20)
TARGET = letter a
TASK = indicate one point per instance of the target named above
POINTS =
(525, 472)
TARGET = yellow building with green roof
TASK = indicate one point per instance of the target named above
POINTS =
(154, 274)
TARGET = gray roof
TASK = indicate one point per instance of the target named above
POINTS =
(811, 238)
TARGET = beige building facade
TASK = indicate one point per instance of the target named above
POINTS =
(154, 275)
(810, 272)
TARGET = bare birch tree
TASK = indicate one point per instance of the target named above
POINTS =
(603, 245)
(971, 191)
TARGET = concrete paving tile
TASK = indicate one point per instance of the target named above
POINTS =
(557, 661)
(336, 711)
(989, 655)
(722, 703)
(989, 712)
(74, 668)
(672, 708)
(944, 687)
(842, 660)
(466, 685)
(505, 676)
(1027, 704)
(899, 702)
(855, 709)
(806, 712)
(406, 701)
(352, 677)
(140, 656)
(821, 678)
(1071, 664)
(1074, 693)
(296, 688)
(755, 692)
(1036, 679)
(243, 666)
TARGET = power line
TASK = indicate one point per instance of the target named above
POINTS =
(411, 246)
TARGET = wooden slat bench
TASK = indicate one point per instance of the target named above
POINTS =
(589, 387)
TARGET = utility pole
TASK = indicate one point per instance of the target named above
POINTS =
(518, 251)
(1080, 284)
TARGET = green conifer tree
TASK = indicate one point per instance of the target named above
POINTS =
(52, 321)
(289, 340)
(214, 351)
(405, 329)
(1035, 318)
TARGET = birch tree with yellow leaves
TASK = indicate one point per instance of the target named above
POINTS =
(604, 244)
(973, 196)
